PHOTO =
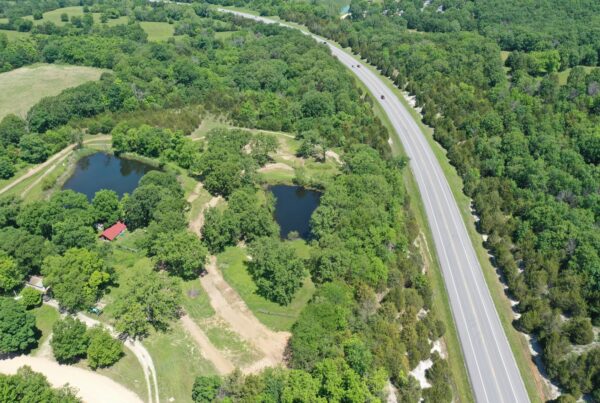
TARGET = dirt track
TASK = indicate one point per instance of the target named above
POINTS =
(92, 387)
(207, 349)
(55, 158)
(229, 305)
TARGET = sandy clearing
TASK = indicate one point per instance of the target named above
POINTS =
(195, 193)
(334, 156)
(276, 166)
(233, 310)
(91, 387)
(390, 390)
(207, 349)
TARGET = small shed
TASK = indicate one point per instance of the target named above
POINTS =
(114, 231)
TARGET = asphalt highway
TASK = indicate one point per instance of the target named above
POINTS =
(492, 369)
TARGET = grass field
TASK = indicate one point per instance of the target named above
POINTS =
(24, 87)
(158, 31)
(45, 316)
(177, 362)
(77, 11)
(12, 35)
(127, 371)
(195, 301)
(277, 317)
(564, 75)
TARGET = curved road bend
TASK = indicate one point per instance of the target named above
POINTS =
(491, 365)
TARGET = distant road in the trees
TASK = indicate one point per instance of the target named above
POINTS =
(491, 365)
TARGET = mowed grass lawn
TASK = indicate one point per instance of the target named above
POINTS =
(232, 263)
(24, 87)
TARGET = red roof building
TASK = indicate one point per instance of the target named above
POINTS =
(111, 233)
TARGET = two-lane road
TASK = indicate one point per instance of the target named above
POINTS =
(491, 365)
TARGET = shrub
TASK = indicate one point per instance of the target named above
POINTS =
(30, 298)
(205, 388)
(103, 350)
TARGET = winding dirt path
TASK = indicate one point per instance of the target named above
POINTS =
(231, 307)
(56, 158)
(136, 347)
(91, 387)
(207, 349)
(197, 223)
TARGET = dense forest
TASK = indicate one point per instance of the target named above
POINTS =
(525, 143)
(371, 319)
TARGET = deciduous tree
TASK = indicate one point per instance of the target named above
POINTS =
(276, 269)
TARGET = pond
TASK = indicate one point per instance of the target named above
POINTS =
(106, 171)
(293, 207)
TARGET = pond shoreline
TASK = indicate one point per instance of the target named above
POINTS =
(294, 206)
(97, 168)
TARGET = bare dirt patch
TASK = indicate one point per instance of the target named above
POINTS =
(197, 223)
(233, 310)
(276, 166)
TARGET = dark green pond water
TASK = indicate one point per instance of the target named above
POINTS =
(106, 171)
(293, 207)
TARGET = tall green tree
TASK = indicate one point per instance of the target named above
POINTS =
(17, 327)
(180, 253)
(146, 299)
(69, 340)
(77, 279)
(12, 128)
(103, 350)
(10, 274)
(276, 269)
(29, 386)
(106, 207)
